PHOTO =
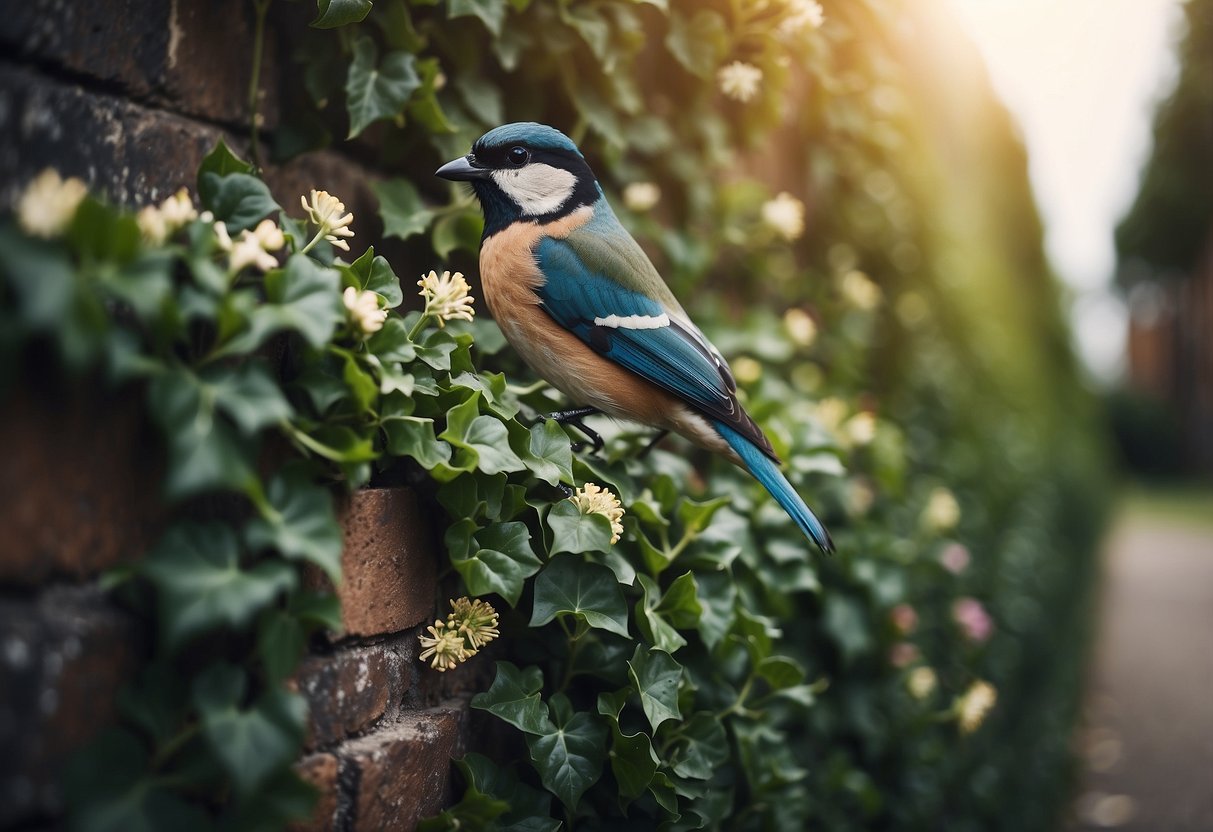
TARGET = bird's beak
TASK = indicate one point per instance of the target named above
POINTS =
(463, 169)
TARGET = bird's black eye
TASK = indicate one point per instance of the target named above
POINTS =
(518, 156)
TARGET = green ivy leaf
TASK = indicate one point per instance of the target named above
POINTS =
(364, 390)
(240, 200)
(575, 532)
(413, 436)
(717, 595)
(660, 632)
(656, 677)
(480, 442)
(303, 297)
(333, 13)
(780, 672)
(633, 762)
(221, 161)
(701, 748)
(248, 394)
(303, 525)
(375, 92)
(403, 212)
(374, 273)
(569, 759)
(570, 586)
(251, 743)
(698, 43)
(490, 12)
(495, 559)
(281, 641)
(549, 456)
(695, 516)
(514, 698)
(201, 585)
(391, 343)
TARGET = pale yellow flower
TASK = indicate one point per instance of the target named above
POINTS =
(746, 370)
(328, 213)
(861, 428)
(739, 80)
(364, 311)
(784, 214)
(942, 512)
(830, 412)
(801, 15)
(641, 196)
(975, 704)
(444, 645)
(921, 682)
(253, 248)
(446, 297)
(157, 224)
(802, 329)
(49, 203)
(152, 225)
(593, 499)
(860, 291)
(474, 620)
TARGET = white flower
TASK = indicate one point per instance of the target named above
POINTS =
(158, 224)
(49, 203)
(801, 15)
(975, 704)
(641, 196)
(860, 291)
(475, 620)
(861, 428)
(364, 311)
(221, 236)
(254, 247)
(593, 499)
(739, 80)
(328, 212)
(942, 512)
(746, 370)
(446, 297)
(152, 225)
(801, 328)
(921, 682)
(445, 645)
(785, 215)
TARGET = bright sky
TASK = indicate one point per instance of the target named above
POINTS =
(1082, 78)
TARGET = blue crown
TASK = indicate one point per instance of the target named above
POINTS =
(530, 133)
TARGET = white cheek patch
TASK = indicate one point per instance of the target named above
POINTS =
(634, 321)
(537, 188)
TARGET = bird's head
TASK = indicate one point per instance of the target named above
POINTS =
(525, 172)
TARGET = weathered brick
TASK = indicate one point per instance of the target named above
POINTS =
(63, 658)
(388, 565)
(79, 485)
(348, 691)
(321, 771)
(402, 771)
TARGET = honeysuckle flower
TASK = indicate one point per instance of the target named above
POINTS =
(328, 213)
(152, 226)
(975, 704)
(904, 618)
(474, 620)
(363, 309)
(974, 621)
(746, 369)
(444, 645)
(739, 80)
(801, 15)
(785, 215)
(942, 512)
(446, 297)
(921, 682)
(861, 428)
(221, 236)
(860, 291)
(802, 329)
(903, 654)
(49, 203)
(594, 499)
(178, 210)
(254, 247)
(641, 196)
(955, 558)
(830, 412)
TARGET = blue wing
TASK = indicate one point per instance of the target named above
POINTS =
(675, 357)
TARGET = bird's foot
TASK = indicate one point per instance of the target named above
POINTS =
(565, 490)
(574, 417)
(653, 443)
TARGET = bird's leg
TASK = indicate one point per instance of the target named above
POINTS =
(653, 443)
(574, 417)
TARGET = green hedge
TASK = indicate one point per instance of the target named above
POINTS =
(904, 349)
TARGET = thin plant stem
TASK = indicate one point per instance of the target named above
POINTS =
(260, 7)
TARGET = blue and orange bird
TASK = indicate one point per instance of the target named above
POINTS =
(584, 306)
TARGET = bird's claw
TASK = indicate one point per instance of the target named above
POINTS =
(574, 417)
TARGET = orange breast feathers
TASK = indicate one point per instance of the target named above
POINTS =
(510, 276)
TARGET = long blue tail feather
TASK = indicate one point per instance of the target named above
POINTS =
(767, 472)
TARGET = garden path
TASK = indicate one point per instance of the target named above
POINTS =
(1148, 745)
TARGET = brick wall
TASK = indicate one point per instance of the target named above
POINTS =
(129, 95)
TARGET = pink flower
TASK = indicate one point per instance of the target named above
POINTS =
(904, 618)
(955, 558)
(973, 619)
(903, 654)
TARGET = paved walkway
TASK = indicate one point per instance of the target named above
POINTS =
(1148, 745)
